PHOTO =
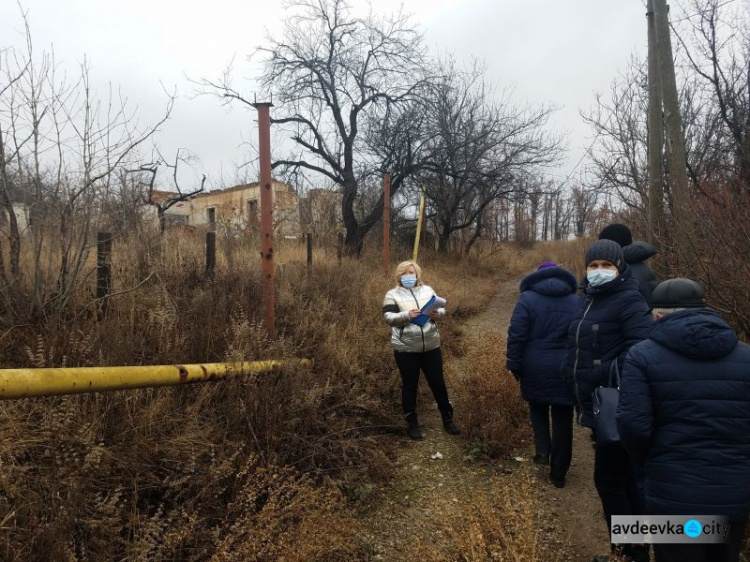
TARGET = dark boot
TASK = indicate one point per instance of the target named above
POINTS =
(448, 424)
(541, 459)
(413, 429)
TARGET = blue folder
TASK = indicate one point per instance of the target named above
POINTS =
(422, 319)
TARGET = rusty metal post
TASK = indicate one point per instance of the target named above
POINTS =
(309, 250)
(339, 246)
(210, 254)
(103, 272)
(387, 223)
(266, 215)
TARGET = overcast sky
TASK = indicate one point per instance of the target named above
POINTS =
(548, 51)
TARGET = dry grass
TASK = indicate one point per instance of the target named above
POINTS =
(569, 255)
(497, 419)
(500, 525)
(254, 469)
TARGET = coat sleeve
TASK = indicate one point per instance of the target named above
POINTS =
(636, 323)
(635, 417)
(518, 335)
(392, 314)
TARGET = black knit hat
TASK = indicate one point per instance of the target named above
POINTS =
(606, 250)
(617, 232)
(678, 293)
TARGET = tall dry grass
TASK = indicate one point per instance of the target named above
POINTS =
(497, 419)
(254, 469)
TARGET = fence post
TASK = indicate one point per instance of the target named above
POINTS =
(309, 250)
(339, 246)
(210, 254)
(103, 273)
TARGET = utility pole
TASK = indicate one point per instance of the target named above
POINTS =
(678, 178)
(655, 136)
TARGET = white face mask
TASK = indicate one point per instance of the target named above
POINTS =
(599, 277)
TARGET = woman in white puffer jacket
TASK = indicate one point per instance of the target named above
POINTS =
(416, 348)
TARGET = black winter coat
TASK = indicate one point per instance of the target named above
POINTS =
(538, 334)
(610, 319)
(636, 255)
(685, 410)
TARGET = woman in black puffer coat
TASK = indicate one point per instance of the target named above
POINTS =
(611, 318)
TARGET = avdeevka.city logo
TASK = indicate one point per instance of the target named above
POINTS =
(693, 528)
(654, 529)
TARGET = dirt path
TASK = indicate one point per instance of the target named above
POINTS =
(570, 525)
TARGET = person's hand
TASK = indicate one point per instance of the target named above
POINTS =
(434, 314)
(413, 313)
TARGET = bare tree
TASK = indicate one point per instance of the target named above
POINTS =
(61, 150)
(719, 56)
(328, 73)
(583, 205)
(481, 149)
(618, 155)
(163, 204)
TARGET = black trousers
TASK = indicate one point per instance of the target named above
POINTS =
(726, 552)
(431, 364)
(615, 477)
(558, 446)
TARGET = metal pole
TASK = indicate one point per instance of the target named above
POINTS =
(266, 215)
(103, 273)
(387, 222)
(25, 383)
(210, 254)
(419, 227)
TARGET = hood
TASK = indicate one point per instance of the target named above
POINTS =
(697, 333)
(550, 281)
(622, 282)
(638, 252)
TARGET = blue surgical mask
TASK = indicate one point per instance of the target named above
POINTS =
(599, 277)
(408, 281)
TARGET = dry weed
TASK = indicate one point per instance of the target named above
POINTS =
(497, 526)
(497, 418)
(163, 474)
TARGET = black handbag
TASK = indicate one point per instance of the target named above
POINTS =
(604, 400)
